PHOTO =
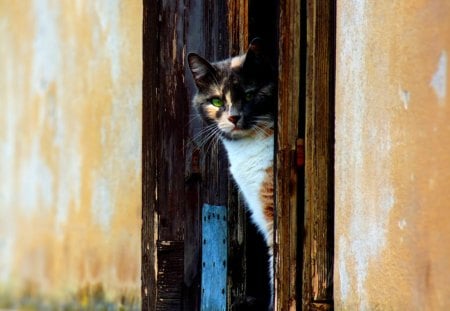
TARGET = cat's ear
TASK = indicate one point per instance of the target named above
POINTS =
(255, 55)
(202, 71)
(256, 48)
(256, 63)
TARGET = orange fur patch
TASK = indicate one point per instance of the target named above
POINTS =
(266, 195)
(267, 132)
(237, 61)
(211, 111)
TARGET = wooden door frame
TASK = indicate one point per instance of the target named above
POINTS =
(306, 94)
(149, 164)
(318, 251)
(286, 176)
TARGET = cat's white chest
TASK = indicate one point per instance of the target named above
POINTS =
(249, 161)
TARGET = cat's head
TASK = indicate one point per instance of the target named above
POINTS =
(237, 96)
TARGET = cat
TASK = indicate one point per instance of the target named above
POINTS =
(237, 98)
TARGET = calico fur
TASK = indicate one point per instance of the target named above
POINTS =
(251, 162)
(245, 86)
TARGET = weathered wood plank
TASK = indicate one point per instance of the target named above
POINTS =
(164, 135)
(214, 258)
(318, 246)
(170, 275)
(177, 173)
(172, 116)
(237, 14)
(286, 167)
(149, 161)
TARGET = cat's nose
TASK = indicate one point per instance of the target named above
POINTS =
(234, 119)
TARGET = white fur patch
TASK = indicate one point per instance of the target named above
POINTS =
(249, 160)
(237, 61)
(228, 99)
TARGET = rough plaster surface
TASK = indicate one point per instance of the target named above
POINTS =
(70, 149)
(392, 156)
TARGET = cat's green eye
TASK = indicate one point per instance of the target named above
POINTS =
(249, 96)
(217, 102)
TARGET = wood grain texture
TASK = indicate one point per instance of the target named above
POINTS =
(149, 161)
(170, 274)
(165, 207)
(237, 26)
(319, 193)
(286, 168)
(178, 174)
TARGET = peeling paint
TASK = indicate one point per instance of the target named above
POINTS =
(343, 273)
(102, 202)
(404, 97)
(70, 151)
(402, 224)
(391, 167)
(46, 45)
(35, 182)
(6, 257)
(439, 80)
(109, 15)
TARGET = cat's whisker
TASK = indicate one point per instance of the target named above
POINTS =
(213, 140)
(268, 132)
(216, 139)
(264, 117)
(263, 120)
(203, 135)
(263, 131)
(260, 132)
(267, 122)
(203, 131)
(207, 138)
(209, 147)
(210, 137)
(194, 116)
(266, 129)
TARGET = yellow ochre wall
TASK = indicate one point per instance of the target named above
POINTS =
(392, 228)
(70, 153)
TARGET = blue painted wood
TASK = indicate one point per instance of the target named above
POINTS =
(214, 258)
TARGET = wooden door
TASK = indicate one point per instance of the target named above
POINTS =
(180, 175)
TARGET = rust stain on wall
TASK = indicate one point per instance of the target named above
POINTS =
(392, 156)
(70, 151)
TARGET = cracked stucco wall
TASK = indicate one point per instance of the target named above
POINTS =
(392, 168)
(70, 151)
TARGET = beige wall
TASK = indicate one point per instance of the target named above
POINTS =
(70, 152)
(392, 155)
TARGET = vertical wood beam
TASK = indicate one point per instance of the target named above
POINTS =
(237, 26)
(318, 219)
(286, 169)
(149, 159)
